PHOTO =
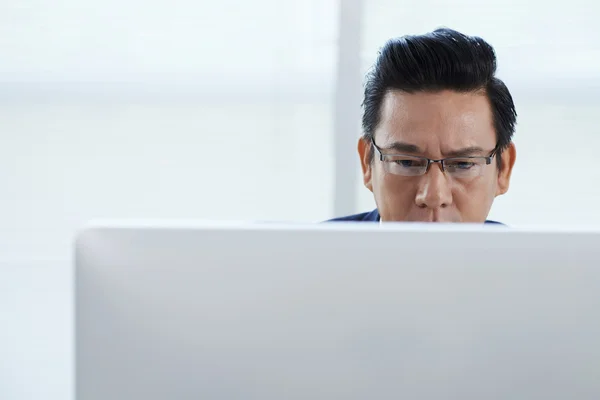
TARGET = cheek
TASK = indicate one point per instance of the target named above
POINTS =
(477, 194)
(484, 185)
(395, 187)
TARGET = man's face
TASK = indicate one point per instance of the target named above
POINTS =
(436, 125)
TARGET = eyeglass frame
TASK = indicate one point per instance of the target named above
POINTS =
(441, 161)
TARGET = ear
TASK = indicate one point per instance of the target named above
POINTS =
(509, 156)
(364, 152)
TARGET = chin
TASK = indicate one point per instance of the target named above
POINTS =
(425, 216)
(431, 219)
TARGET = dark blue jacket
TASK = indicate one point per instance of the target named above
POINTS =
(373, 216)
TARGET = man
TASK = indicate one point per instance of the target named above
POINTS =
(437, 130)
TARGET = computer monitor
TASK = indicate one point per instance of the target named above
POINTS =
(336, 311)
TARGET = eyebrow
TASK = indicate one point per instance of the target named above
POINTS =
(402, 147)
(466, 152)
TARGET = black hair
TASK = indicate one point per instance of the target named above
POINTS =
(440, 60)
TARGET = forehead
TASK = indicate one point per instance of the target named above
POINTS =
(437, 121)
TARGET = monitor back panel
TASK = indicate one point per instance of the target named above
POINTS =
(336, 312)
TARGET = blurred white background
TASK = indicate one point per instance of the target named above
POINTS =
(240, 110)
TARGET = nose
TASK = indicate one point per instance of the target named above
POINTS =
(434, 189)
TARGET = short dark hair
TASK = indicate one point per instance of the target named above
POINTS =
(440, 60)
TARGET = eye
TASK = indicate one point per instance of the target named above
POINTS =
(407, 163)
(460, 164)
(464, 164)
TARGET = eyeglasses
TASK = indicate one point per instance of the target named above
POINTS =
(456, 167)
